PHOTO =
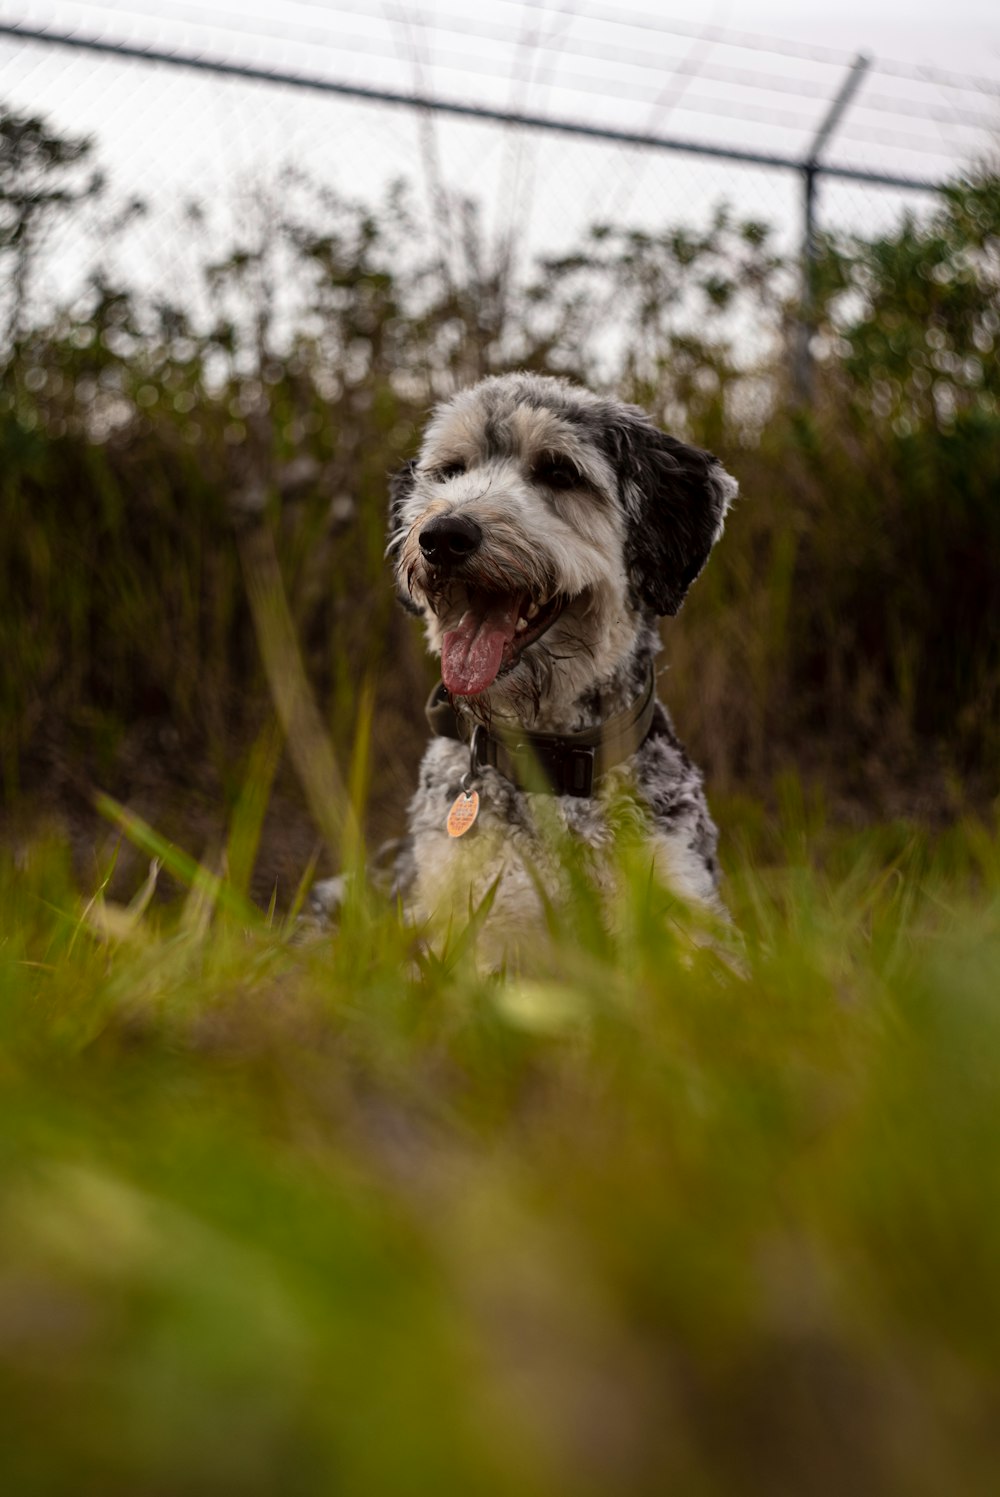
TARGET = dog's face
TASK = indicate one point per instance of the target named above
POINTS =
(539, 530)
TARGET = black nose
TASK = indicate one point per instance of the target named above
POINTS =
(448, 539)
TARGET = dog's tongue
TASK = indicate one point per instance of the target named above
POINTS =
(471, 654)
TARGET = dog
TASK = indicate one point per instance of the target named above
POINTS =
(541, 533)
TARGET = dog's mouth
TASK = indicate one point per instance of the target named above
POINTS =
(492, 633)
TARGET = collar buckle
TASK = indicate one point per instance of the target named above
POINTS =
(578, 771)
(480, 746)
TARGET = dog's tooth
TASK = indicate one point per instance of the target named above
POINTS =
(532, 610)
(521, 624)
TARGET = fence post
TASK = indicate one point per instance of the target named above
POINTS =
(802, 367)
(806, 323)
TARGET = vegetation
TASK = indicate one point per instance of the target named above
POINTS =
(285, 1211)
(333, 1215)
(844, 628)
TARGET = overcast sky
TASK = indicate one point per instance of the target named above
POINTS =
(758, 74)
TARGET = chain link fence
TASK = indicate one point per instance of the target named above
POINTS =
(211, 153)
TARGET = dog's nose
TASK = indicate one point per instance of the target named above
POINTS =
(448, 539)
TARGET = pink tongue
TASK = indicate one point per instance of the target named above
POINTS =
(471, 654)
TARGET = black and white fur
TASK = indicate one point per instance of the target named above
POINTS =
(582, 500)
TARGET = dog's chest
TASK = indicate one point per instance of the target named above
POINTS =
(518, 842)
(523, 844)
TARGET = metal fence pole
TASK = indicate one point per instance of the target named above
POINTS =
(805, 326)
(802, 371)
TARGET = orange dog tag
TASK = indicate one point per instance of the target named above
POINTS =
(464, 810)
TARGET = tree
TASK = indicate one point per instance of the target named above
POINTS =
(44, 177)
(912, 317)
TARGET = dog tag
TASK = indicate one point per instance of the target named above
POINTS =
(464, 810)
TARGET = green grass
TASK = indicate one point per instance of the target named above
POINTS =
(322, 1216)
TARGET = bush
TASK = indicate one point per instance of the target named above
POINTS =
(844, 625)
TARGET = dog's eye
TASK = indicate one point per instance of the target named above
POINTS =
(450, 470)
(557, 473)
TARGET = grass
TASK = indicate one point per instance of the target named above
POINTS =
(334, 1215)
(306, 1216)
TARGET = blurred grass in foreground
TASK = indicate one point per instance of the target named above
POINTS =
(305, 1217)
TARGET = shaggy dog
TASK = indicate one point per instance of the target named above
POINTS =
(541, 533)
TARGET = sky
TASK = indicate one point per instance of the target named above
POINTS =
(755, 74)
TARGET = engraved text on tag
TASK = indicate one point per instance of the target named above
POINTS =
(464, 810)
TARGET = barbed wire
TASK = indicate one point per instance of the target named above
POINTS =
(424, 99)
(603, 51)
(759, 101)
(203, 62)
(755, 42)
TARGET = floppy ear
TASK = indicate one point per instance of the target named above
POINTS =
(675, 497)
(400, 488)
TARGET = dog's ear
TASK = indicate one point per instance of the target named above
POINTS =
(675, 497)
(400, 488)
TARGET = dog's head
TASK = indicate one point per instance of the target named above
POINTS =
(540, 529)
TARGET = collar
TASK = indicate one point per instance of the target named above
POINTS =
(560, 763)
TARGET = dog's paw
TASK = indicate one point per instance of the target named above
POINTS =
(326, 899)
